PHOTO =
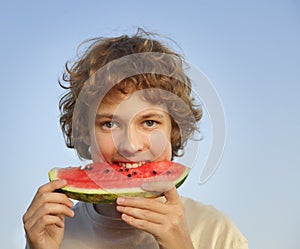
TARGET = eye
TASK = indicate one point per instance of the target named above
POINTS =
(109, 125)
(150, 123)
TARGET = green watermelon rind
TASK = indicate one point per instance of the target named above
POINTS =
(103, 196)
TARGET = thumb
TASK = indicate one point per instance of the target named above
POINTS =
(172, 196)
(157, 186)
(164, 187)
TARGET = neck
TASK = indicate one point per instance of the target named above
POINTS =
(108, 210)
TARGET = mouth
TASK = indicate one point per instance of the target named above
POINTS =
(131, 165)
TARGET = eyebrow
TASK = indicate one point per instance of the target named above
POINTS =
(105, 115)
(153, 115)
(145, 116)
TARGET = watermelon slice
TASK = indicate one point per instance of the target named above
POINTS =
(103, 182)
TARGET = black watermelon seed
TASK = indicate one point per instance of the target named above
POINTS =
(121, 170)
(134, 173)
(168, 172)
(129, 175)
(127, 170)
(107, 171)
(88, 168)
(154, 172)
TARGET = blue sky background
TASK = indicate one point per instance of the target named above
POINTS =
(250, 50)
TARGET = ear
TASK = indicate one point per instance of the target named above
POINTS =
(175, 136)
(86, 139)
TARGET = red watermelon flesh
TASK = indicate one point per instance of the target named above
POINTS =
(103, 182)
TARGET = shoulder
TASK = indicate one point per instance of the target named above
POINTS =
(203, 211)
(198, 213)
(210, 226)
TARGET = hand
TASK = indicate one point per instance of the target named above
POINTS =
(165, 221)
(44, 219)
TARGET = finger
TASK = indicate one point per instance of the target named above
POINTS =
(52, 186)
(47, 220)
(142, 203)
(142, 214)
(172, 196)
(49, 209)
(144, 225)
(47, 198)
(49, 187)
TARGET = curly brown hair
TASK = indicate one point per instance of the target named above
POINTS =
(102, 52)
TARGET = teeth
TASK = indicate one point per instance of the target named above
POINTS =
(132, 165)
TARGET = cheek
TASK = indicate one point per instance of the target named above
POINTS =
(160, 145)
(102, 148)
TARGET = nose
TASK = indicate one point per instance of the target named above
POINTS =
(130, 141)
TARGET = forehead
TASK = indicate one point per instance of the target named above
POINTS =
(129, 104)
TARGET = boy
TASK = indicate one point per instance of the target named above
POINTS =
(128, 102)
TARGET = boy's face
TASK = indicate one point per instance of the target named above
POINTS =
(130, 131)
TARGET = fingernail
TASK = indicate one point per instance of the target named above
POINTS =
(63, 181)
(72, 213)
(71, 203)
(120, 200)
(145, 185)
(125, 217)
(119, 208)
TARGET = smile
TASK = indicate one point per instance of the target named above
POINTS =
(128, 165)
